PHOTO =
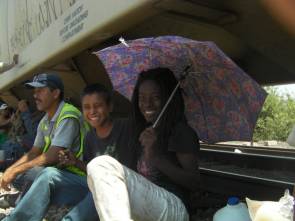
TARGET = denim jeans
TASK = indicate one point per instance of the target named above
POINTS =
(60, 187)
(24, 181)
(121, 194)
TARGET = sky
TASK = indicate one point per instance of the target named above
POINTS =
(286, 89)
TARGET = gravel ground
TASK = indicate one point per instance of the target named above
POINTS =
(204, 205)
(54, 213)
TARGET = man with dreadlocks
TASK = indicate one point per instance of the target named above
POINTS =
(167, 159)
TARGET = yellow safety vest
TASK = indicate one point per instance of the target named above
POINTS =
(68, 111)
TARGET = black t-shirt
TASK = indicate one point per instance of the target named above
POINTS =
(182, 140)
(116, 144)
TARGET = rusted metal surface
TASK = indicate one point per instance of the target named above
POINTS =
(250, 158)
(259, 173)
(230, 184)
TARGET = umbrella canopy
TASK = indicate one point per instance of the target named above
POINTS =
(222, 102)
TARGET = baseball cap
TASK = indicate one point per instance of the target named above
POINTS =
(5, 118)
(3, 106)
(46, 80)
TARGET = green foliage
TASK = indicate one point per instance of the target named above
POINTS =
(276, 118)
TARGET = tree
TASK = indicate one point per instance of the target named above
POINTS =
(276, 118)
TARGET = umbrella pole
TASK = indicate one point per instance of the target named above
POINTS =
(165, 106)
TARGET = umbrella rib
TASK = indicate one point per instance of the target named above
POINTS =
(166, 105)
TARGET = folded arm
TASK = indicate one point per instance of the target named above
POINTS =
(28, 161)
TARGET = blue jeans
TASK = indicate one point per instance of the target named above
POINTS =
(24, 181)
(60, 187)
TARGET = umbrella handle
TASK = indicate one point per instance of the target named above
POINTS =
(165, 106)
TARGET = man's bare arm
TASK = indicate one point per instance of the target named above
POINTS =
(33, 153)
(44, 159)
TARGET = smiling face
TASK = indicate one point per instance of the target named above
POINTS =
(96, 110)
(149, 100)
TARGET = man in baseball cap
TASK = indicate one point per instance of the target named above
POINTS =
(60, 129)
(48, 91)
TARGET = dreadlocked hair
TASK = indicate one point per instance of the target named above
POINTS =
(174, 113)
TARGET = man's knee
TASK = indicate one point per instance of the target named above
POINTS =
(104, 162)
(31, 174)
(49, 173)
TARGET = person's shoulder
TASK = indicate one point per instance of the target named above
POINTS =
(90, 134)
(121, 122)
(183, 131)
(183, 138)
(182, 127)
(70, 106)
(122, 127)
(63, 103)
(43, 119)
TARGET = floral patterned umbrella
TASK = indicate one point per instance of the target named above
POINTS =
(222, 102)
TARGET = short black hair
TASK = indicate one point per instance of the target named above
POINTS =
(98, 89)
(61, 94)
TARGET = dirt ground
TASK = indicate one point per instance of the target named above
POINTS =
(203, 206)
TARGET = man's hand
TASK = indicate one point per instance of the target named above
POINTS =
(7, 178)
(66, 158)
